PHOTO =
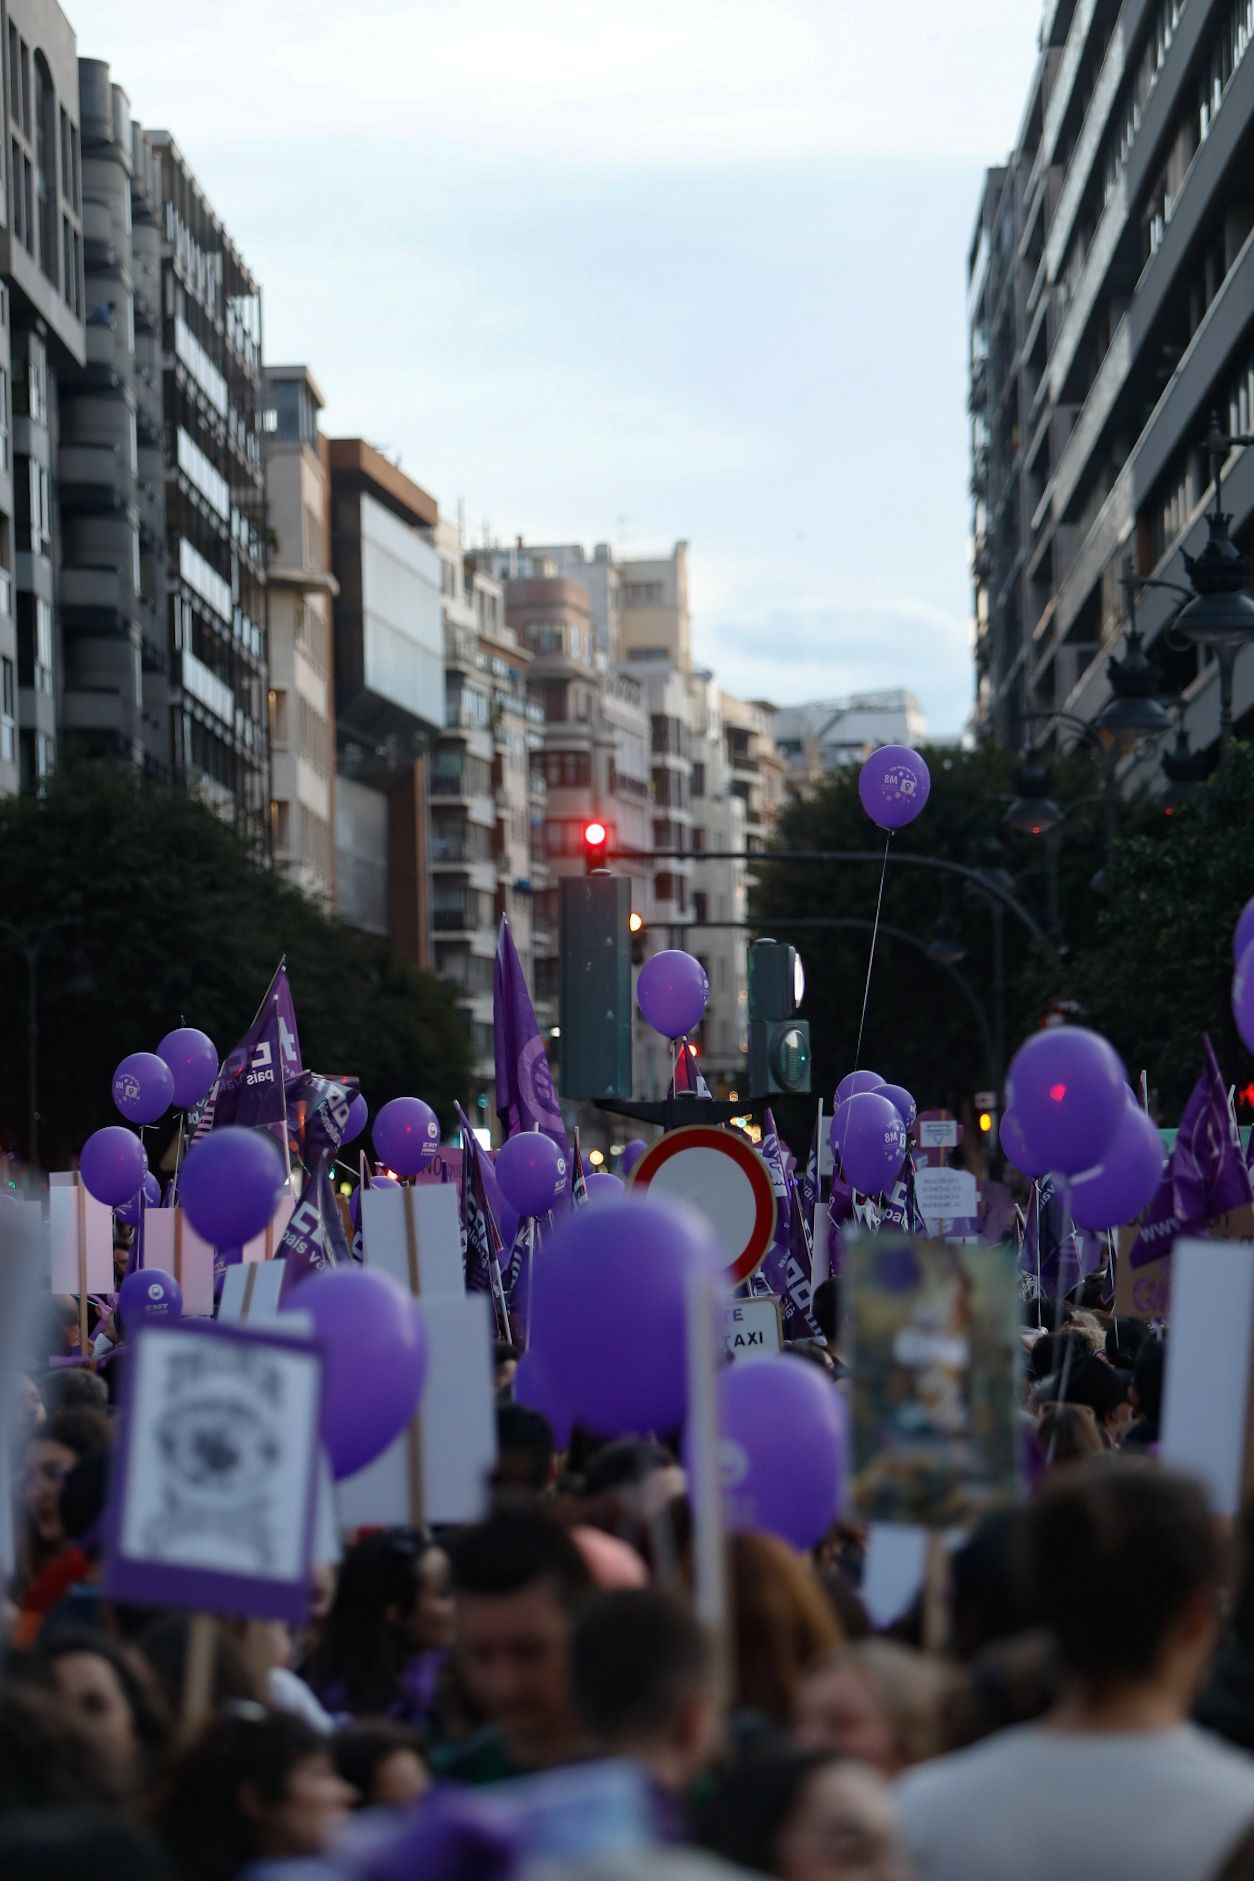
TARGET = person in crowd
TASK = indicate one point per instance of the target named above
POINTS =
(643, 1683)
(505, 1359)
(784, 1625)
(524, 1453)
(852, 1619)
(1147, 1395)
(40, 1845)
(1125, 1339)
(642, 1478)
(825, 1310)
(269, 1642)
(384, 1763)
(390, 1626)
(46, 1762)
(1011, 1681)
(1124, 1568)
(519, 1581)
(115, 1703)
(50, 1455)
(1226, 1703)
(987, 1598)
(28, 1409)
(1068, 1433)
(164, 1646)
(1052, 1355)
(877, 1702)
(1095, 1382)
(257, 1788)
(804, 1816)
(74, 1388)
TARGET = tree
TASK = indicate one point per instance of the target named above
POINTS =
(163, 916)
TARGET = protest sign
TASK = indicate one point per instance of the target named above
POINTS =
(251, 1291)
(80, 1239)
(752, 1327)
(215, 1476)
(265, 1246)
(946, 1195)
(1208, 1401)
(23, 1250)
(932, 1333)
(171, 1243)
(408, 1229)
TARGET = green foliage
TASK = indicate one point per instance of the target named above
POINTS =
(166, 917)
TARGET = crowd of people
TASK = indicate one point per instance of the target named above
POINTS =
(457, 1704)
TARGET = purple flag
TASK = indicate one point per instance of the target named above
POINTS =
(687, 1080)
(809, 1178)
(787, 1274)
(1205, 1175)
(314, 1240)
(578, 1177)
(250, 1087)
(525, 1097)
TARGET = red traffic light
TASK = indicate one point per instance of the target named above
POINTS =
(595, 835)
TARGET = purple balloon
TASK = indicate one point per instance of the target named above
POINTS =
(1243, 996)
(673, 992)
(406, 1135)
(897, 1094)
(871, 1140)
(143, 1087)
(229, 1184)
(1068, 1091)
(113, 1165)
(149, 1297)
(374, 1360)
(151, 1192)
(357, 1119)
(531, 1171)
(853, 1082)
(534, 1388)
(782, 1451)
(193, 1060)
(604, 1187)
(1015, 1150)
(1118, 1189)
(632, 1152)
(372, 1182)
(1244, 933)
(625, 1266)
(894, 784)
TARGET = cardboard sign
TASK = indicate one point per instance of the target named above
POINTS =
(264, 1246)
(752, 1327)
(1207, 1396)
(251, 1291)
(723, 1177)
(415, 1232)
(80, 1239)
(933, 1338)
(171, 1243)
(946, 1194)
(1145, 1292)
(938, 1134)
(215, 1475)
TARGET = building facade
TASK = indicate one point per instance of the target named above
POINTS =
(300, 591)
(823, 736)
(1111, 310)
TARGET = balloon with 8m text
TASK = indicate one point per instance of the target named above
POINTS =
(113, 1165)
(151, 1192)
(406, 1135)
(894, 784)
(374, 1360)
(673, 992)
(143, 1087)
(871, 1138)
(193, 1060)
(1068, 1091)
(1117, 1190)
(782, 1450)
(229, 1184)
(531, 1171)
(149, 1297)
(898, 1095)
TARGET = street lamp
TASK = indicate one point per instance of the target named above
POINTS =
(1033, 811)
(1221, 614)
(1183, 768)
(1133, 710)
(946, 946)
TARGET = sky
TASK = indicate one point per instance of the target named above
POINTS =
(632, 272)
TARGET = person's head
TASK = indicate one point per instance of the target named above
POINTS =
(641, 1477)
(59, 1328)
(50, 1455)
(74, 1842)
(1124, 1340)
(74, 1388)
(1049, 1355)
(385, 1763)
(1088, 1327)
(164, 1645)
(804, 1816)
(46, 1761)
(1067, 1433)
(1124, 1567)
(259, 1787)
(393, 1601)
(784, 1623)
(1104, 1390)
(524, 1451)
(519, 1580)
(121, 1252)
(29, 1410)
(114, 1701)
(504, 1365)
(877, 1702)
(825, 1309)
(813, 1351)
(1147, 1383)
(641, 1674)
(986, 1585)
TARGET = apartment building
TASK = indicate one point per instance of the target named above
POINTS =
(825, 735)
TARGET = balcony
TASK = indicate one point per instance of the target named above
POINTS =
(94, 478)
(99, 592)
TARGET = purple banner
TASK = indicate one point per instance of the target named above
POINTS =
(787, 1264)
(525, 1097)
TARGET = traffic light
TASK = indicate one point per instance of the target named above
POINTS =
(596, 842)
(986, 1114)
(779, 1042)
(595, 946)
(636, 928)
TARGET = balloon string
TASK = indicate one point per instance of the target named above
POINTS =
(875, 929)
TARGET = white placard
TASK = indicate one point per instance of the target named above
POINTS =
(939, 1134)
(171, 1243)
(894, 1570)
(1206, 1386)
(752, 1328)
(436, 1231)
(64, 1218)
(457, 1423)
(264, 1246)
(251, 1292)
(23, 1244)
(947, 1194)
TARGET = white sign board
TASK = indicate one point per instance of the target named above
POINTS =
(1210, 1357)
(171, 1243)
(250, 1292)
(415, 1228)
(23, 1240)
(939, 1134)
(947, 1194)
(894, 1569)
(79, 1225)
(264, 1245)
(752, 1327)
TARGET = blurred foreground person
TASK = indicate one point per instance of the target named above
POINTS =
(805, 1816)
(114, 1703)
(1125, 1572)
(878, 1702)
(383, 1642)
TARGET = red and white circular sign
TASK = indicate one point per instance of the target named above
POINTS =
(722, 1176)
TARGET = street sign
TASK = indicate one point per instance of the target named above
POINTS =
(722, 1176)
(941, 1134)
(752, 1328)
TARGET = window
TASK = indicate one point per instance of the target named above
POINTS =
(134, 444)
(8, 712)
(280, 823)
(701, 905)
(278, 718)
(698, 780)
(34, 643)
(36, 760)
(642, 594)
(137, 577)
(46, 170)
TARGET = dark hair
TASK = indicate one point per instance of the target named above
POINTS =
(636, 1657)
(527, 1435)
(1124, 1340)
(514, 1549)
(812, 1352)
(201, 1818)
(745, 1817)
(987, 1598)
(45, 1761)
(1095, 1383)
(74, 1388)
(84, 1498)
(164, 1645)
(624, 1465)
(361, 1749)
(825, 1307)
(82, 1431)
(361, 1654)
(149, 1713)
(1147, 1381)
(1049, 1354)
(68, 1843)
(1115, 1549)
(503, 1352)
